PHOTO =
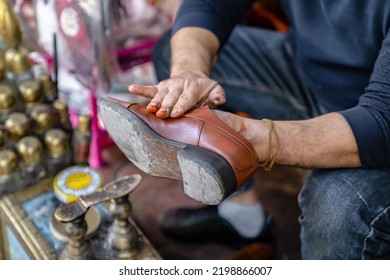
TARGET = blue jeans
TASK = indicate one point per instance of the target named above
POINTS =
(344, 212)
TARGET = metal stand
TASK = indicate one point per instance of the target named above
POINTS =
(122, 238)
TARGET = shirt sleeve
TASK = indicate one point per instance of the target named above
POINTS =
(370, 119)
(218, 16)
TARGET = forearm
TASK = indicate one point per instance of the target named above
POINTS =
(194, 51)
(322, 142)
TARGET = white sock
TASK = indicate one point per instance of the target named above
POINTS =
(248, 220)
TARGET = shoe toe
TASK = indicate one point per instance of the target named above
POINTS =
(188, 224)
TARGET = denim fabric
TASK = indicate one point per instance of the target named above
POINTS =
(345, 213)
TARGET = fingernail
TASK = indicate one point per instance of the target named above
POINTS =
(132, 87)
(151, 108)
(174, 111)
(162, 112)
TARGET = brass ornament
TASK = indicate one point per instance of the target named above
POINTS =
(30, 150)
(30, 92)
(7, 98)
(10, 31)
(56, 142)
(8, 162)
(17, 126)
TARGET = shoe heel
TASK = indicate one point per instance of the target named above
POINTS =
(207, 176)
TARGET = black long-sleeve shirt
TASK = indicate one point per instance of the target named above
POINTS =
(342, 51)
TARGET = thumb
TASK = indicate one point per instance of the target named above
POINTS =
(216, 96)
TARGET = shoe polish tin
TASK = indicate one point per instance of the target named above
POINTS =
(75, 181)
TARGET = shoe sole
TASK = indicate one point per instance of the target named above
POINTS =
(207, 177)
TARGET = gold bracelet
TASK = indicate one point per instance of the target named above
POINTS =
(271, 157)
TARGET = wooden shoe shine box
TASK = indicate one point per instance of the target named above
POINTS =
(28, 230)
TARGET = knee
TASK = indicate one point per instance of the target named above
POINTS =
(333, 218)
(323, 193)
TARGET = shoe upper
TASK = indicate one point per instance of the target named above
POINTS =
(201, 127)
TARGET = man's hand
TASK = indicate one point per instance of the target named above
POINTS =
(193, 54)
(174, 96)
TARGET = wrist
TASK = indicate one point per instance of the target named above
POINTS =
(264, 137)
(201, 44)
(188, 73)
(272, 147)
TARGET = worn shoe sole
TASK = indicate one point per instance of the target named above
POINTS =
(207, 177)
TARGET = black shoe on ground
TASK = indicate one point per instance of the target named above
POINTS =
(206, 225)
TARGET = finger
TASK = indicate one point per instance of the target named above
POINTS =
(184, 103)
(216, 97)
(146, 91)
(169, 102)
(155, 104)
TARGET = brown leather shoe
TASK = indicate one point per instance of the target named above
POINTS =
(211, 158)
